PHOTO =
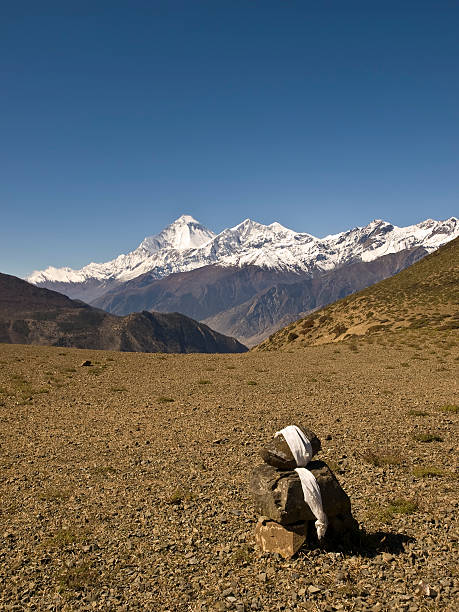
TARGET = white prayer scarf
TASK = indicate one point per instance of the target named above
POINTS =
(302, 453)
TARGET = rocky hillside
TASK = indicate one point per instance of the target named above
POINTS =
(424, 295)
(30, 315)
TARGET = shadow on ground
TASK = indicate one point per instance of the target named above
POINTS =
(364, 544)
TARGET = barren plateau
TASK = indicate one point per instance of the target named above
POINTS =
(123, 485)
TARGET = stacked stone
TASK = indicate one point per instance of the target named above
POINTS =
(286, 520)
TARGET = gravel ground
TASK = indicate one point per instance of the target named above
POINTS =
(123, 485)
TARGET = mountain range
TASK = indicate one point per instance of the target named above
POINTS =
(249, 280)
(32, 315)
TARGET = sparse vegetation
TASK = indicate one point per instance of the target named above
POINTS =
(78, 578)
(450, 408)
(427, 472)
(428, 437)
(400, 505)
(381, 458)
(96, 476)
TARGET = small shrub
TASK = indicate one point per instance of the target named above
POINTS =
(241, 555)
(427, 472)
(103, 470)
(402, 505)
(179, 495)
(292, 336)
(380, 459)
(420, 413)
(399, 505)
(252, 382)
(78, 578)
(204, 382)
(339, 329)
(165, 400)
(428, 437)
(451, 408)
(63, 538)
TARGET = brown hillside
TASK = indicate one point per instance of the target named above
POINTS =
(31, 315)
(425, 295)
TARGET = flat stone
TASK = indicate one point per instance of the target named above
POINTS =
(274, 538)
(277, 452)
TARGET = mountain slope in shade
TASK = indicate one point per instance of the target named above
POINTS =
(199, 293)
(31, 315)
(186, 245)
(283, 303)
(425, 295)
(249, 303)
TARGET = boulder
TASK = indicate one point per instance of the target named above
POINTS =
(274, 538)
(278, 496)
(278, 454)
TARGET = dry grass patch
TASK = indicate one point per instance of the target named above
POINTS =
(451, 408)
(165, 400)
(78, 578)
(399, 505)
(380, 458)
(428, 437)
(427, 472)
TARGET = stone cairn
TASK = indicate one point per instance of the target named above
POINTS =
(286, 520)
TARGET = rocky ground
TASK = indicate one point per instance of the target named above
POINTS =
(123, 485)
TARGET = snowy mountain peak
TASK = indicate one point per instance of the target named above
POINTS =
(184, 233)
(186, 219)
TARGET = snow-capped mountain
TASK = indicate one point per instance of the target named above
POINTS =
(182, 235)
(186, 245)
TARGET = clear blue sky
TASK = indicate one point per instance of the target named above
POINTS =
(117, 117)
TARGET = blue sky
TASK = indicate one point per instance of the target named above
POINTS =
(117, 117)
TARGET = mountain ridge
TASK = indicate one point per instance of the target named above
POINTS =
(187, 245)
(32, 315)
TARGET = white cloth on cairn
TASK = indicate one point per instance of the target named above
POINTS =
(302, 453)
